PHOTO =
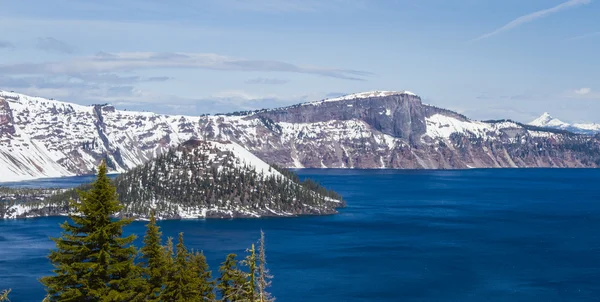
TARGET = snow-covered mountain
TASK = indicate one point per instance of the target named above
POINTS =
(547, 121)
(197, 179)
(380, 129)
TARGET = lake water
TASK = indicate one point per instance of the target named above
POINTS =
(474, 235)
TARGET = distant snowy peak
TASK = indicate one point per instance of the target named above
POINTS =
(547, 121)
(365, 95)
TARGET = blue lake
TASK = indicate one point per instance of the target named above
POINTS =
(472, 235)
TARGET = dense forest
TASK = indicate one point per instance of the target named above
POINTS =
(202, 179)
(93, 261)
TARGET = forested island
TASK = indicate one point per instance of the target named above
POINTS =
(197, 179)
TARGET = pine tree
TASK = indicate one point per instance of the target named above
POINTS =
(183, 281)
(170, 269)
(153, 257)
(264, 276)
(232, 281)
(250, 285)
(93, 261)
(207, 285)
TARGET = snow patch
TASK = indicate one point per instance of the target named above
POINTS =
(363, 95)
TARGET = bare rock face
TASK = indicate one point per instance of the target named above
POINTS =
(367, 130)
(6, 119)
(399, 115)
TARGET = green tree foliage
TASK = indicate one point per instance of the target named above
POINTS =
(154, 260)
(250, 286)
(93, 261)
(207, 285)
(188, 178)
(183, 282)
(232, 282)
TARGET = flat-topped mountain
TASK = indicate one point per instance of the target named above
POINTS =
(198, 179)
(380, 129)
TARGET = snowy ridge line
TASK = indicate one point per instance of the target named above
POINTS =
(247, 157)
(547, 121)
(442, 127)
(48, 138)
(362, 95)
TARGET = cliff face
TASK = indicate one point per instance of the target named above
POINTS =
(400, 115)
(395, 130)
(44, 137)
(6, 119)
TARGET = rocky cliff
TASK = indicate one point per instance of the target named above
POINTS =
(45, 138)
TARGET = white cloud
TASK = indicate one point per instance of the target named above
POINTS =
(534, 16)
(588, 35)
(583, 94)
(583, 91)
(116, 62)
(266, 81)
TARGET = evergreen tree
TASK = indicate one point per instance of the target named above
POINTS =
(250, 285)
(231, 283)
(93, 261)
(207, 285)
(170, 269)
(183, 282)
(264, 276)
(153, 257)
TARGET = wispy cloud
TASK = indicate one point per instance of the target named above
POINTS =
(132, 98)
(87, 80)
(110, 77)
(583, 94)
(588, 35)
(6, 44)
(130, 61)
(533, 16)
(286, 6)
(266, 81)
(583, 91)
(50, 44)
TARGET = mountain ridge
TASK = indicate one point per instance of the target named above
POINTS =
(547, 121)
(47, 138)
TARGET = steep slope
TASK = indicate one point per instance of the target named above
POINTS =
(48, 138)
(396, 130)
(198, 179)
(379, 129)
(547, 121)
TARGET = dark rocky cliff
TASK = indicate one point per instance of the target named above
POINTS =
(6, 119)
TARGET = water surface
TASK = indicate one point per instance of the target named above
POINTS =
(474, 235)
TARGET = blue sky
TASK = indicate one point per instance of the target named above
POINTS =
(487, 59)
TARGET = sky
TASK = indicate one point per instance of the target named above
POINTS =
(487, 59)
